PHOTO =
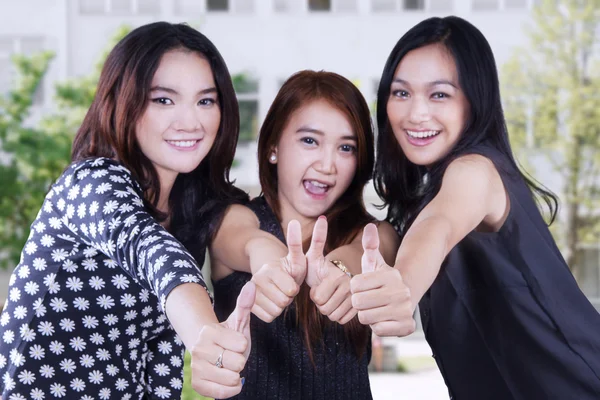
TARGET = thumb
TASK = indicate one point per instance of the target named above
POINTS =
(295, 257)
(240, 317)
(370, 242)
(315, 259)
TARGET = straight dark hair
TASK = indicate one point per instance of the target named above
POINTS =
(348, 215)
(108, 129)
(404, 186)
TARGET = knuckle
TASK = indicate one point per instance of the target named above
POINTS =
(280, 303)
(357, 302)
(239, 365)
(378, 330)
(318, 299)
(362, 318)
(221, 392)
(269, 318)
(232, 379)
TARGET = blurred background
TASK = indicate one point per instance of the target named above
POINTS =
(547, 51)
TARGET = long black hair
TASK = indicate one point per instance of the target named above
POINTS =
(406, 188)
(198, 198)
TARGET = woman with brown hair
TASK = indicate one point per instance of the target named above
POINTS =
(101, 271)
(316, 155)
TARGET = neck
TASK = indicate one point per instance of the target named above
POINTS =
(287, 214)
(166, 184)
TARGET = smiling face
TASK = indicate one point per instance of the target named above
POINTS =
(316, 160)
(427, 108)
(181, 120)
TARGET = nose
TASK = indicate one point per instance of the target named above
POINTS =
(188, 119)
(326, 162)
(419, 111)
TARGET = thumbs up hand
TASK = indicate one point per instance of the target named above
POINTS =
(221, 351)
(379, 294)
(330, 287)
(278, 282)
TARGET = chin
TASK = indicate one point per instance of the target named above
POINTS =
(185, 169)
(312, 212)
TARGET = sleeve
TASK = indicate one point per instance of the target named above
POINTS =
(101, 204)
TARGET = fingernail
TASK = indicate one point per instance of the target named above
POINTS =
(243, 381)
(322, 217)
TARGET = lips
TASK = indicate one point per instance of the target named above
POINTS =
(183, 144)
(421, 138)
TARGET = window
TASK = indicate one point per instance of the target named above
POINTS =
(217, 5)
(515, 4)
(244, 6)
(383, 5)
(91, 7)
(246, 89)
(319, 5)
(119, 7)
(282, 6)
(345, 6)
(148, 7)
(440, 5)
(26, 45)
(414, 4)
(188, 7)
(485, 5)
(397, 5)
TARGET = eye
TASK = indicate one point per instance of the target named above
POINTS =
(207, 102)
(348, 148)
(308, 140)
(400, 93)
(440, 95)
(165, 101)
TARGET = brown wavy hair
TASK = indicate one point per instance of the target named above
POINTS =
(122, 96)
(348, 215)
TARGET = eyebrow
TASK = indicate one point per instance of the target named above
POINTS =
(434, 83)
(173, 91)
(308, 129)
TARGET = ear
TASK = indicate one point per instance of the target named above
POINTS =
(273, 155)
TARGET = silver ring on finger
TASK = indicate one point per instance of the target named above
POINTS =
(219, 362)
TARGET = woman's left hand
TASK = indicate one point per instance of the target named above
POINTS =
(330, 287)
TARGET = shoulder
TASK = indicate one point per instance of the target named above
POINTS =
(104, 172)
(386, 229)
(476, 166)
(238, 214)
(471, 173)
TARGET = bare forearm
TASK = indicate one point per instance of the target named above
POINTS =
(263, 250)
(189, 308)
(421, 254)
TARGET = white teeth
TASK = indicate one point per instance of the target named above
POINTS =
(182, 143)
(422, 134)
(318, 184)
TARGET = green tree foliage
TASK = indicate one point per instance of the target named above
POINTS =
(33, 155)
(551, 90)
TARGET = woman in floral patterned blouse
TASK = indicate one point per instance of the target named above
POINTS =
(105, 298)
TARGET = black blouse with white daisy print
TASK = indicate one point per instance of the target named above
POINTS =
(85, 318)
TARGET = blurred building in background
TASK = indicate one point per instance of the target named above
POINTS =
(266, 40)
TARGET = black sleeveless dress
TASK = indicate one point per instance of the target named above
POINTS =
(279, 366)
(505, 317)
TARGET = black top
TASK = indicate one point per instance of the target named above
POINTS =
(85, 314)
(505, 317)
(279, 366)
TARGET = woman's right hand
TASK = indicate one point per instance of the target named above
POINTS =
(379, 294)
(221, 351)
(277, 283)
